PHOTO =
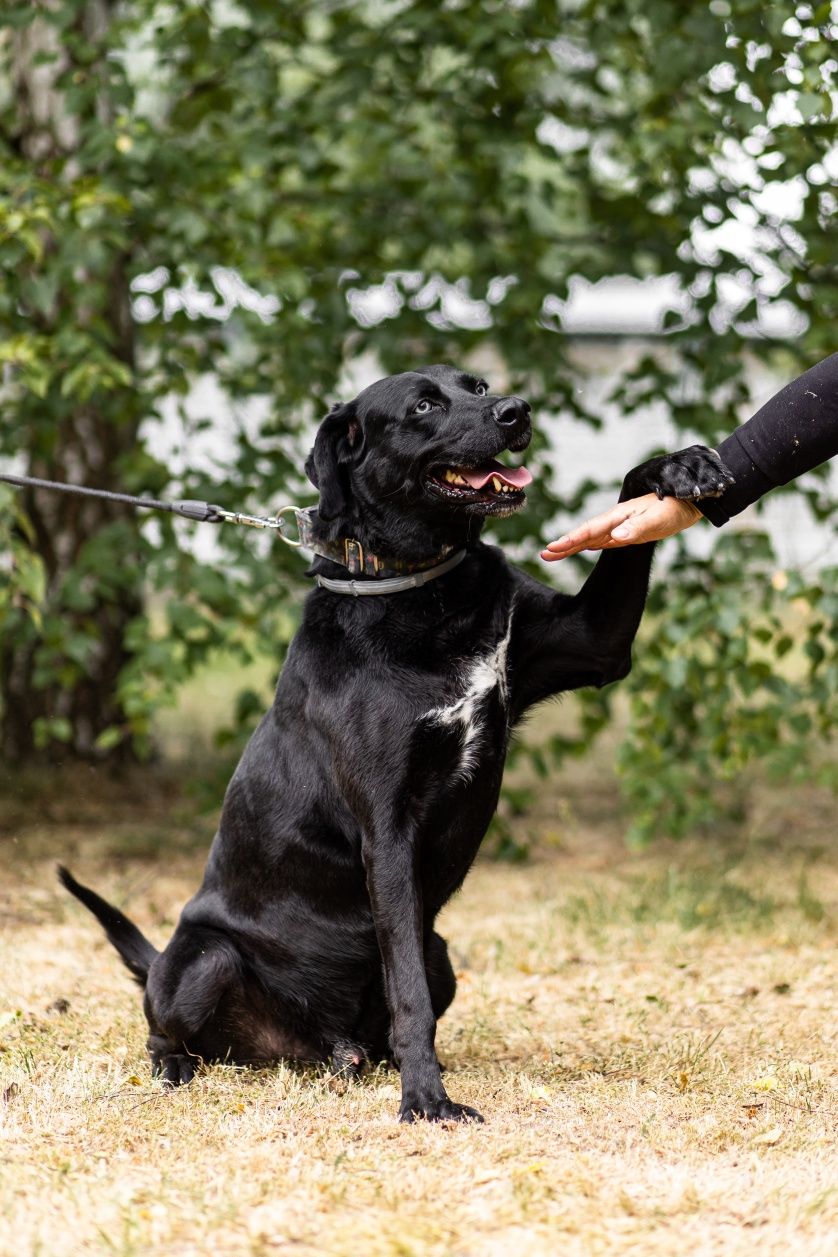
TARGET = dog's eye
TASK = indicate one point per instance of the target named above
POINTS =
(423, 408)
(481, 389)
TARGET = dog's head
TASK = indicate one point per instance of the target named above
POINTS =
(413, 458)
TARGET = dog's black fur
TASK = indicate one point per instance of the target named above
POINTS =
(362, 798)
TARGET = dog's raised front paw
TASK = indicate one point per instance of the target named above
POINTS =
(690, 474)
(437, 1110)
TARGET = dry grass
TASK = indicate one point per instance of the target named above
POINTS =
(652, 1039)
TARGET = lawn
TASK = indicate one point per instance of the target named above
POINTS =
(652, 1039)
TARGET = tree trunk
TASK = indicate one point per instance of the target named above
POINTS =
(88, 705)
(84, 446)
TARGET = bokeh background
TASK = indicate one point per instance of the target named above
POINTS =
(216, 219)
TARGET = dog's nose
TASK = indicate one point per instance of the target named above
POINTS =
(510, 411)
(512, 415)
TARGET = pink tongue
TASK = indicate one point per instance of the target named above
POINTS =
(477, 477)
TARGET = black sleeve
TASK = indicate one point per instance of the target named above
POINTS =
(793, 432)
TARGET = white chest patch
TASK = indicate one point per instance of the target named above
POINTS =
(484, 674)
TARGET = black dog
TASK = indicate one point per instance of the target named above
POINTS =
(362, 798)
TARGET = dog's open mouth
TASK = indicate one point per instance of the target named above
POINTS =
(490, 485)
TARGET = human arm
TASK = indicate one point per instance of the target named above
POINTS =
(796, 430)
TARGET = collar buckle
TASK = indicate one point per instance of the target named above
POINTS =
(353, 555)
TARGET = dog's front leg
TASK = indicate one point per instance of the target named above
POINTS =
(390, 863)
(562, 643)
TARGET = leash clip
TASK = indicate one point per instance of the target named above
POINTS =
(281, 525)
(275, 523)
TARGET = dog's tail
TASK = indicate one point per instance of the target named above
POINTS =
(135, 950)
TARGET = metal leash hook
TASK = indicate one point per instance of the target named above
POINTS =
(274, 522)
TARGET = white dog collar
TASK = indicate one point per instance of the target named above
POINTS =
(392, 585)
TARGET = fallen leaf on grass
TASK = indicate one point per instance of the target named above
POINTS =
(536, 1091)
(768, 1138)
(683, 1081)
(768, 1083)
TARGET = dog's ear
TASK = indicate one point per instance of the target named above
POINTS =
(327, 464)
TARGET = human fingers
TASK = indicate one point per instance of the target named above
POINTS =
(595, 533)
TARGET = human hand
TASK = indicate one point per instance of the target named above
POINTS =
(647, 518)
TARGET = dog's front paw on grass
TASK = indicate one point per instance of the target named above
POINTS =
(437, 1110)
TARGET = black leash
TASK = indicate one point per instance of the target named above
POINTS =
(189, 508)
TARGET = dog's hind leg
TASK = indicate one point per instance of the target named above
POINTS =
(169, 1062)
(348, 1059)
(442, 983)
(185, 985)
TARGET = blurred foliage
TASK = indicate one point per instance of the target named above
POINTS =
(316, 150)
(738, 663)
(22, 586)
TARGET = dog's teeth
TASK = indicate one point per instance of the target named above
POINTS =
(449, 476)
(458, 479)
(496, 485)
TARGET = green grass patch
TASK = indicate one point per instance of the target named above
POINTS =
(691, 898)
